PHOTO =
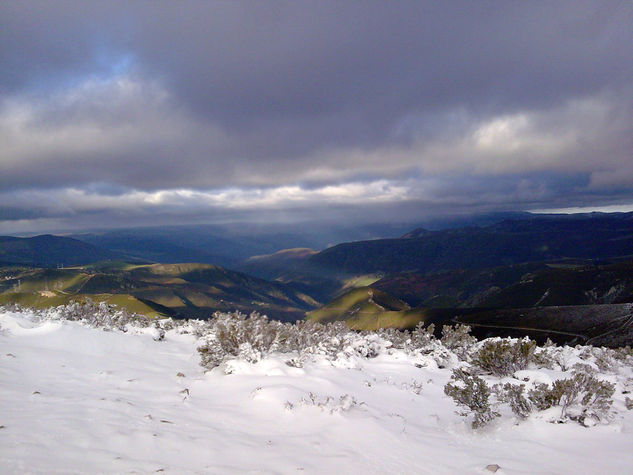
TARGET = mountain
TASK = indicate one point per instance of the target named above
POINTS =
(276, 265)
(159, 246)
(518, 285)
(50, 251)
(537, 239)
(177, 290)
(367, 308)
(229, 245)
(422, 263)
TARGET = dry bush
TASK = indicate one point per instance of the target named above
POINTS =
(458, 339)
(472, 393)
(579, 397)
(504, 357)
(514, 396)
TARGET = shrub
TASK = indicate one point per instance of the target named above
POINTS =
(458, 339)
(624, 354)
(472, 393)
(514, 396)
(504, 357)
(579, 397)
(235, 335)
(557, 356)
(398, 339)
(331, 340)
(332, 405)
(542, 396)
(422, 337)
(101, 315)
(252, 338)
(604, 359)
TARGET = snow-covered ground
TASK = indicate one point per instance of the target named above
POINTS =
(76, 399)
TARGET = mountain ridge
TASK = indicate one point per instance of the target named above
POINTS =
(47, 250)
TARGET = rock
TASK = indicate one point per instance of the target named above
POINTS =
(493, 467)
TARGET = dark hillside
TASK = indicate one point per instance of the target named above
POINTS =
(539, 239)
(520, 285)
(50, 251)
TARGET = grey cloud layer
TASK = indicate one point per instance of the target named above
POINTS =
(262, 96)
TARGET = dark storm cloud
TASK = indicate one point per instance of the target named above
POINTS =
(262, 97)
(240, 61)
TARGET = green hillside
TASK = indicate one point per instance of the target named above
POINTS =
(178, 290)
(365, 308)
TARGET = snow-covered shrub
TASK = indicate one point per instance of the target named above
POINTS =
(100, 315)
(238, 336)
(252, 338)
(624, 354)
(422, 337)
(561, 357)
(542, 396)
(398, 339)
(604, 359)
(514, 396)
(368, 345)
(335, 340)
(458, 339)
(580, 397)
(504, 357)
(306, 334)
(343, 404)
(472, 393)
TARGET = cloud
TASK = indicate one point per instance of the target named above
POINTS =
(236, 106)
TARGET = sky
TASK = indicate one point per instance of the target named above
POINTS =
(136, 113)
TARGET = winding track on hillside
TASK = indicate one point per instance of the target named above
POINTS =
(508, 327)
(587, 341)
(627, 322)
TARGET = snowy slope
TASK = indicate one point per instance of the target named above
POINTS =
(76, 399)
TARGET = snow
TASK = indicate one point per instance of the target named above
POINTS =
(77, 399)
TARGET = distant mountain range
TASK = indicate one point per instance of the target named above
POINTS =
(51, 251)
(537, 239)
(228, 245)
(529, 261)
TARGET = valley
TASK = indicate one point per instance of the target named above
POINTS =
(567, 278)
